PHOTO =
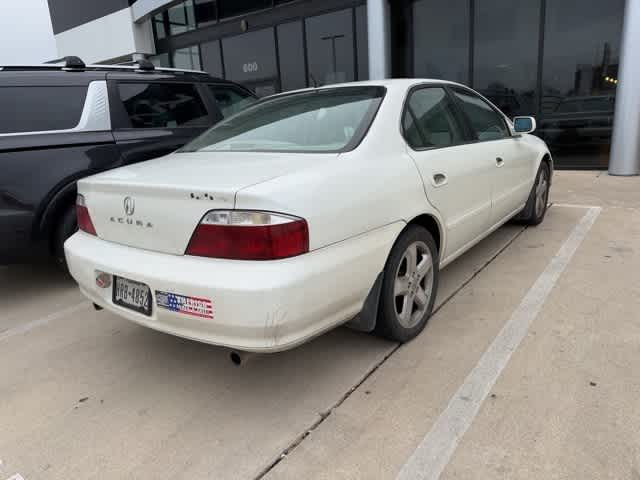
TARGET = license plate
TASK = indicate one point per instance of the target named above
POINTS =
(135, 296)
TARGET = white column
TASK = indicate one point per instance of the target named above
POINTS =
(378, 35)
(625, 144)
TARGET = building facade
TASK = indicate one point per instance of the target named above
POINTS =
(557, 60)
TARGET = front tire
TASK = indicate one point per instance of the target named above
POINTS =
(536, 206)
(409, 286)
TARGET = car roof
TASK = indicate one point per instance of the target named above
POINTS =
(402, 84)
(55, 74)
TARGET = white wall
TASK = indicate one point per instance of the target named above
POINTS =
(26, 36)
(106, 38)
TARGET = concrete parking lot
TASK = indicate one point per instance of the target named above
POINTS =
(528, 369)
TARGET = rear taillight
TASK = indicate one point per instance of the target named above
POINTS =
(249, 235)
(84, 219)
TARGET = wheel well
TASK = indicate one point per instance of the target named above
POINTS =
(52, 215)
(431, 224)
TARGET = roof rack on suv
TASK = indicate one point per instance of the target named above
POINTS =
(73, 63)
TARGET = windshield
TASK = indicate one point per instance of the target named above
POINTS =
(324, 120)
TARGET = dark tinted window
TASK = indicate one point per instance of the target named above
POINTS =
(34, 109)
(205, 12)
(291, 56)
(182, 18)
(486, 122)
(230, 100)
(162, 105)
(330, 44)
(231, 8)
(579, 79)
(506, 53)
(429, 119)
(212, 58)
(441, 39)
(250, 57)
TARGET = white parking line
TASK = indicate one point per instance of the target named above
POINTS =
(20, 329)
(573, 205)
(432, 455)
(17, 476)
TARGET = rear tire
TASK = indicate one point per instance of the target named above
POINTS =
(536, 207)
(66, 227)
(409, 286)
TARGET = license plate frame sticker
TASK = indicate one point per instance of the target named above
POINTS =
(131, 295)
(185, 304)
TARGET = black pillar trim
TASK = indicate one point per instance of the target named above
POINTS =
(543, 15)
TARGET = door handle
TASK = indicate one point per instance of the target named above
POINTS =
(499, 161)
(439, 179)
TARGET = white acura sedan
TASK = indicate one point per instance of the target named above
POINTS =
(308, 210)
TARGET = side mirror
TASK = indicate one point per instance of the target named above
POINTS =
(524, 124)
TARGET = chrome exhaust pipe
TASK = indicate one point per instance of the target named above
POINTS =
(240, 359)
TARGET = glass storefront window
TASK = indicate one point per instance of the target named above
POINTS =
(291, 56)
(158, 23)
(187, 58)
(212, 58)
(182, 18)
(441, 39)
(160, 60)
(250, 59)
(579, 75)
(330, 48)
(205, 12)
(506, 53)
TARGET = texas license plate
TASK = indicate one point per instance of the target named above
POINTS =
(132, 295)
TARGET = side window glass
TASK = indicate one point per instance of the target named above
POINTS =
(230, 100)
(430, 120)
(23, 108)
(485, 121)
(163, 105)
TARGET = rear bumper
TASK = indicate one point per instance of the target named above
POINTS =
(257, 306)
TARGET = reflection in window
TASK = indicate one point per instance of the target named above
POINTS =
(429, 120)
(328, 120)
(485, 121)
(579, 75)
(506, 53)
(158, 24)
(187, 58)
(441, 39)
(330, 48)
(182, 18)
(160, 60)
(162, 105)
(230, 100)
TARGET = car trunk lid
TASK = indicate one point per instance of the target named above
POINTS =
(156, 205)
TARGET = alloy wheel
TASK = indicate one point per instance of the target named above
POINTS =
(541, 193)
(413, 284)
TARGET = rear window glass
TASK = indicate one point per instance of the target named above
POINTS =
(39, 109)
(162, 105)
(323, 120)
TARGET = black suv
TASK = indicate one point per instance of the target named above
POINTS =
(59, 123)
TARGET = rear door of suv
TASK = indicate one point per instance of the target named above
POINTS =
(155, 114)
